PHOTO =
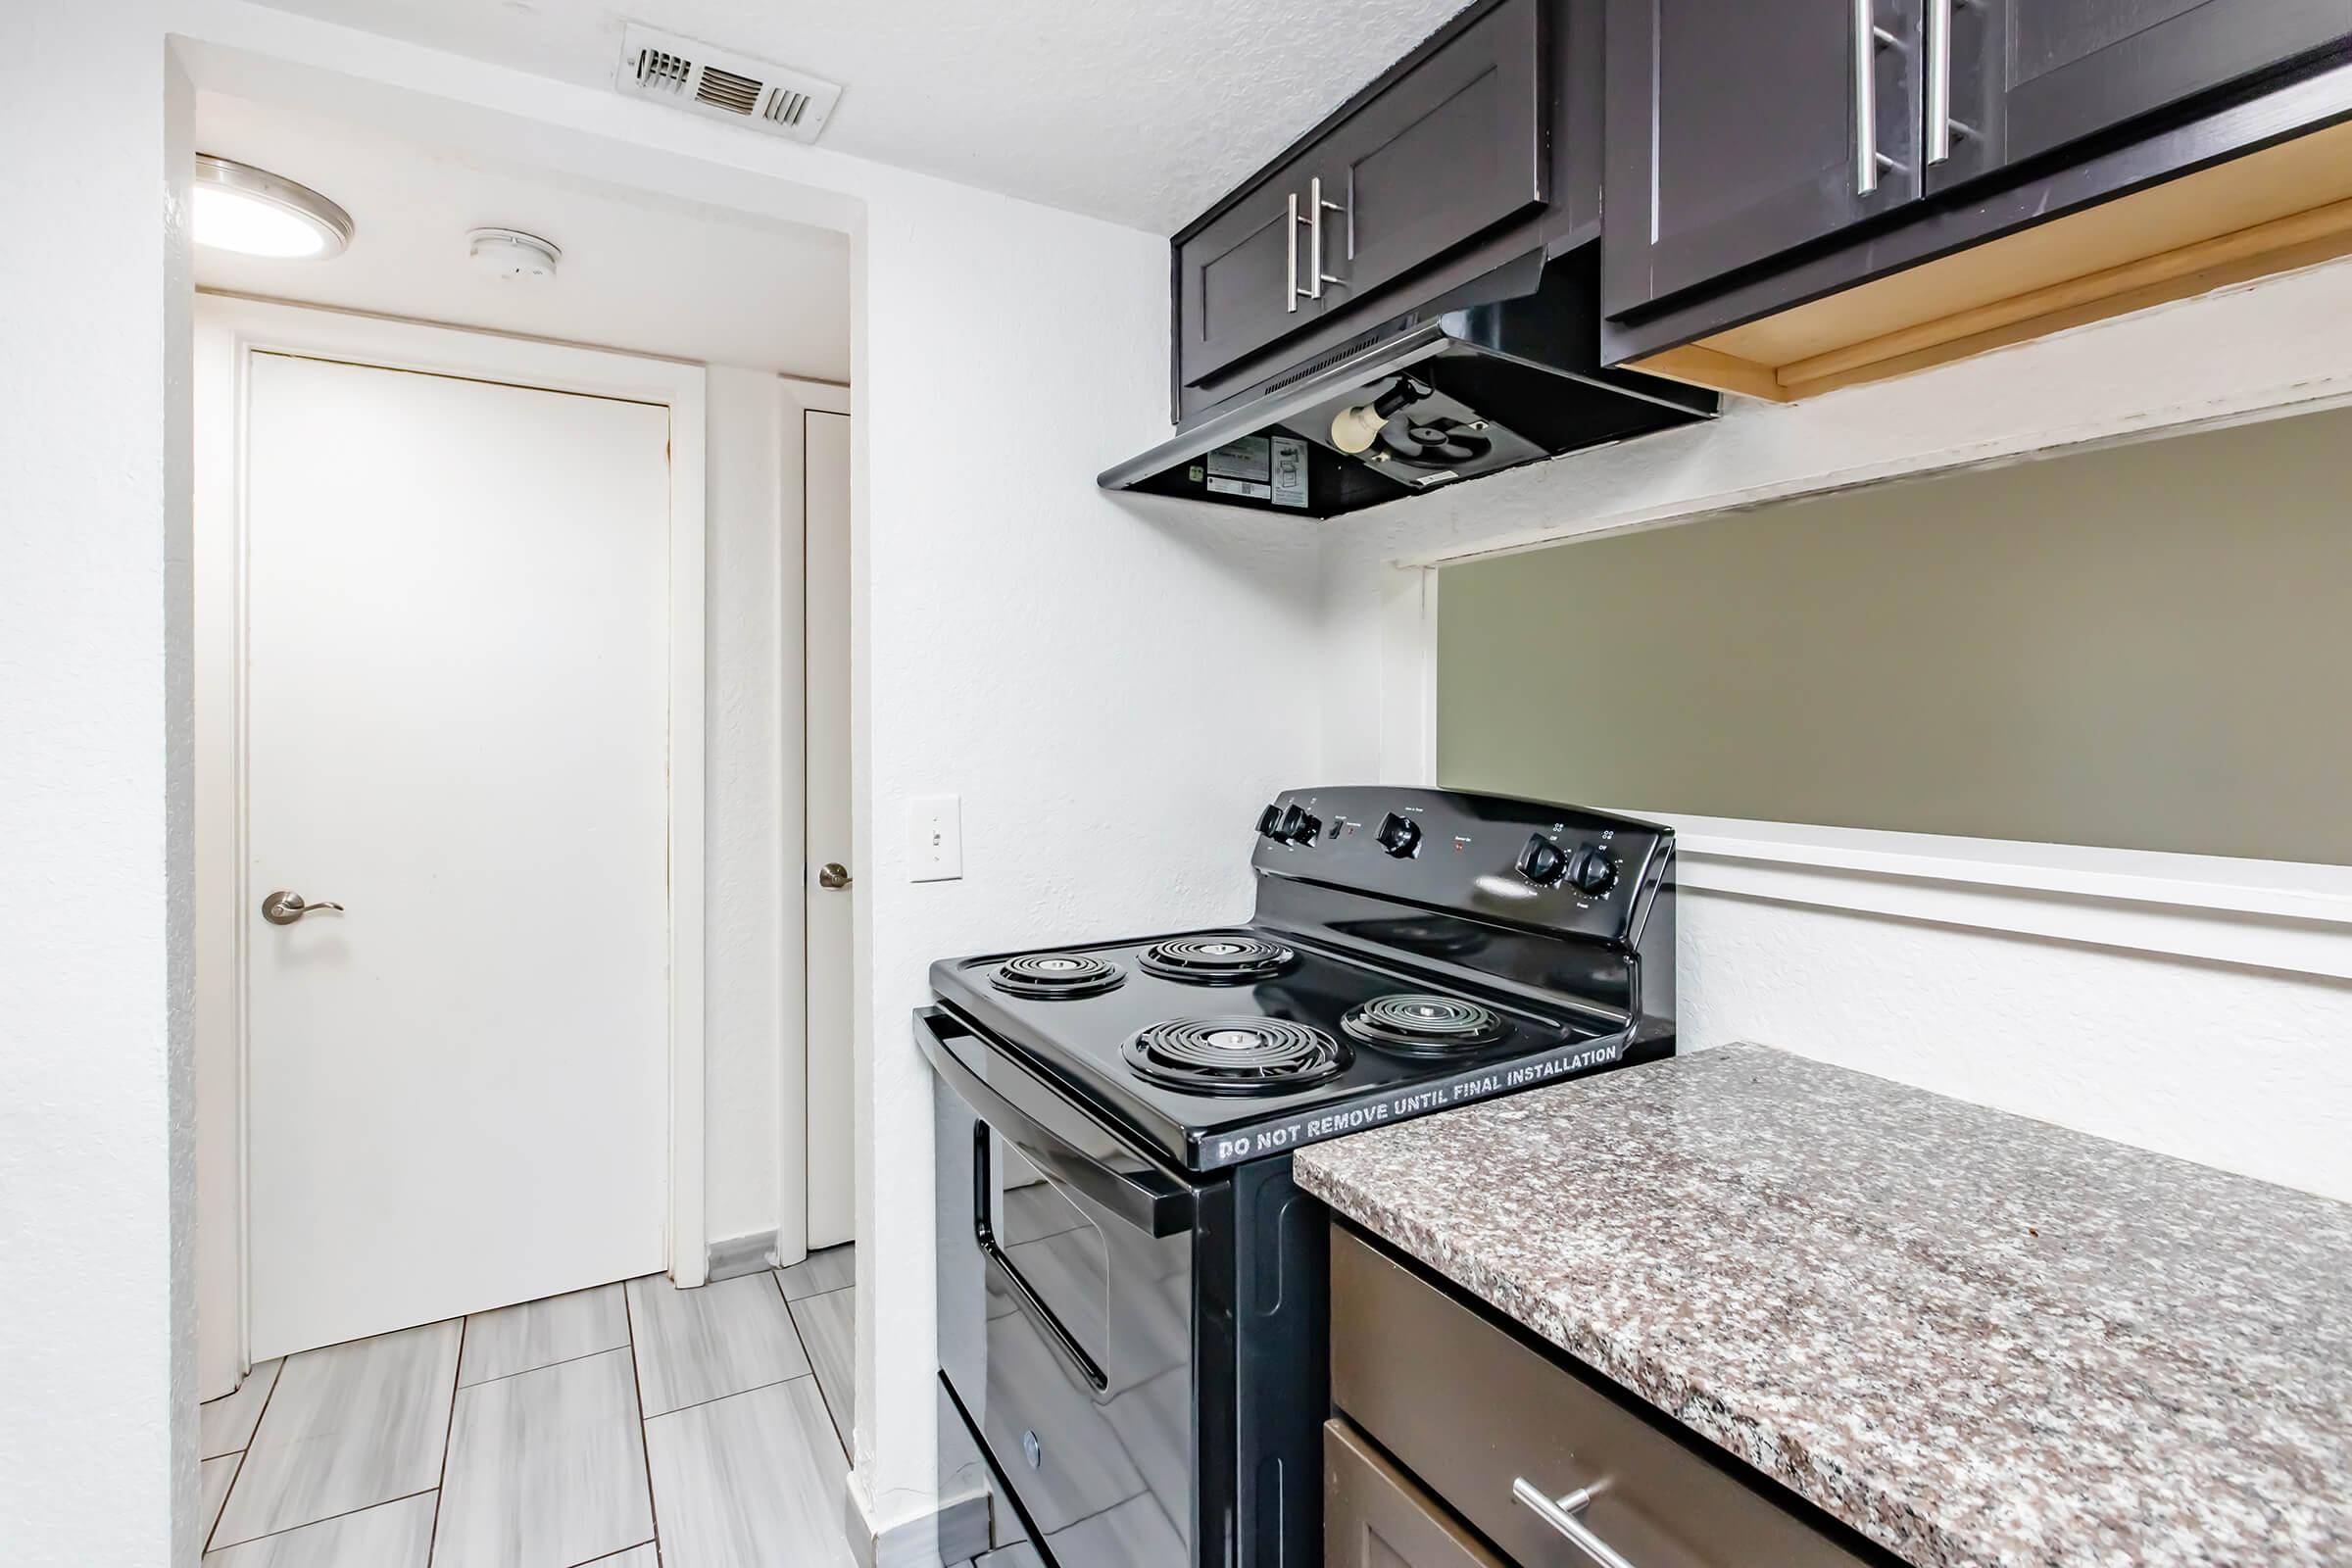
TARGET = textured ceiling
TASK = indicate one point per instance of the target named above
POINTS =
(1138, 111)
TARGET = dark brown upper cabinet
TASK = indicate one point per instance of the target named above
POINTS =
(1447, 151)
(1802, 194)
(1237, 276)
(1738, 132)
(1453, 160)
(2031, 76)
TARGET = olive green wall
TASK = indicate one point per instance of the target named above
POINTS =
(2148, 647)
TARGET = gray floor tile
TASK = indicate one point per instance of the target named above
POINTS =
(562, 1328)
(700, 1345)
(833, 1269)
(211, 1478)
(546, 1468)
(756, 1478)
(347, 1427)
(646, 1556)
(391, 1535)
(226, 1424)
(829, 1326)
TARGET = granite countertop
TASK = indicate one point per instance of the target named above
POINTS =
(1982, 1340)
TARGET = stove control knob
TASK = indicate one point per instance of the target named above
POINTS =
(1542, 862)
(1298, 826)
(1269, 819)
(1591, 871)
(1398, 834)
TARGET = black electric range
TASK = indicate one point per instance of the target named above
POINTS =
(1131, 1289)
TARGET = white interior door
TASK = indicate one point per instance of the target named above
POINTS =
(832, 1177)
(456, 696)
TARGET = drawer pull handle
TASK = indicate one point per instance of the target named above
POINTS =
(1561, 1516)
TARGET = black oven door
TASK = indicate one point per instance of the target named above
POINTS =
(1065, 1309)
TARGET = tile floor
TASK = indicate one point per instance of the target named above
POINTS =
(630, 1426)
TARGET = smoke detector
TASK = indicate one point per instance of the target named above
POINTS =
(513, 257)
(691, 76)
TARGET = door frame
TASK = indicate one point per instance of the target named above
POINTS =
(229, 330)
(798, 398)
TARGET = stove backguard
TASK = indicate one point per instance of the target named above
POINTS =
(1458, 901)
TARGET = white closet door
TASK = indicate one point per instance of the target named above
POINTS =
(457, 598)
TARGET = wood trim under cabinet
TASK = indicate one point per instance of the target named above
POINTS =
(2287, 206)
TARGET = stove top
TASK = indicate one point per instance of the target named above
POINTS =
(1412, 950)
(1195, 1067)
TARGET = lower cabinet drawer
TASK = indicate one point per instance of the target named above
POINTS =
(1474, 1415)
(1375, 1517)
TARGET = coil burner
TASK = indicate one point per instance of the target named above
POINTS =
(1425, 1026)
(1234, 1056)
(1056, 975)
(1221, 958)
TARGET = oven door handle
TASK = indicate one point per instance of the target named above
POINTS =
(1147, 1199)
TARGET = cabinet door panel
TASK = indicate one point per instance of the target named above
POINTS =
(1235, 278)
(1452, 149)
(2029, 77)
(1375, 1517)
(1738, 132)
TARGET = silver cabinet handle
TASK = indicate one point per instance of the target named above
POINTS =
(833, 875)
(1316, 207)
(1561, 1516)
(1942, 128)
(1869, 39)
(284, 908)
(1940, 81)
(1290, 240)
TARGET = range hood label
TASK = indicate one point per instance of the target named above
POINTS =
(1237, 1144)
(1289, 472)
(1244, 467)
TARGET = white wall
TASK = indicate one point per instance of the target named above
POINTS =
(2226, 1064)
(97, 1429)
(751, 820)
(988, 573)
(2213, 1034)
(1088, 675)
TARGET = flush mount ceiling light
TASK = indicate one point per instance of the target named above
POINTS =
(250, 211)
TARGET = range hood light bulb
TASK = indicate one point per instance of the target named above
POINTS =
(1354, 429)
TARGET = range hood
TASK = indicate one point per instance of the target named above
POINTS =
(1506, 372)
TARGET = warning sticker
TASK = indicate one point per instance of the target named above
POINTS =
(1289, 472)
(1251, 458)
(1240, 487)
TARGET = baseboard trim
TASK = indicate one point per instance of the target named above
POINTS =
(742, 1254)
(949, 1537)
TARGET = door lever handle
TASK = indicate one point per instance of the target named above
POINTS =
(833, 875)
(284, 908)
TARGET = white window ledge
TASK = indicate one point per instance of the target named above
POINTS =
(2273, 915)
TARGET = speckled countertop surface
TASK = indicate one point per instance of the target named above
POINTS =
(1977, 1338)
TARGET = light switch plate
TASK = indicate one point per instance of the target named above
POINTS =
(935, 838)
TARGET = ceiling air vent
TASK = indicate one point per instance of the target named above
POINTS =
(695, 77)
